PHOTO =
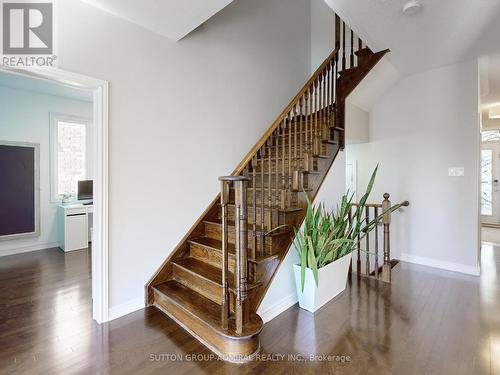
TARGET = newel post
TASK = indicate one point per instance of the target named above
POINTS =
(386, 219)
(241, 246)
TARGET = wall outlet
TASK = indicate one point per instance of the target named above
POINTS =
(456, 171)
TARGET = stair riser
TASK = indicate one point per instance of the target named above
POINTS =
(209, 255)
(214, 258)
(221, 345)
(199, 284)
(208, 288)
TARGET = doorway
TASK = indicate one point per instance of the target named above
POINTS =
(98, 144)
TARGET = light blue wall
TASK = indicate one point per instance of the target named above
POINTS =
(24, 117)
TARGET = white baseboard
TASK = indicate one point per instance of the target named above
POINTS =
(27, 249)
(449, 266)
(277, 308)
(125, 308)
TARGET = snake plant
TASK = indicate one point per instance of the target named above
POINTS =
(328, 236)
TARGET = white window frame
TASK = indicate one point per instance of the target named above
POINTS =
(55, 118)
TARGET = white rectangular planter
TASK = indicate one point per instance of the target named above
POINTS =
(332, 281)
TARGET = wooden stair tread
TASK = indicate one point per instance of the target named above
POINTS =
(208, 272)
(217, 246)
(205, 309)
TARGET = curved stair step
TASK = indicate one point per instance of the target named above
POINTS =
(202, 318)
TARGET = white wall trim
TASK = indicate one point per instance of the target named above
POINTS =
(278, 307)
(100, 243)
(449, 266)
(26, 249)
(125, 308)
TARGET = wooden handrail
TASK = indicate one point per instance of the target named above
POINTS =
(281, 117)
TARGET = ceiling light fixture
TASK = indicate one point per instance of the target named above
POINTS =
(412, 7)
(494, 112)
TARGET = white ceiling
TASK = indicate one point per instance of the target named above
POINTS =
(171, 18)
(41, 86)
(445, 32)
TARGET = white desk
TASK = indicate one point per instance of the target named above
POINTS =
(75, 221)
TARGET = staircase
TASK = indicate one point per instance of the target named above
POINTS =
(215, 279)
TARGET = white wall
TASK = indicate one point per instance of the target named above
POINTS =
(282, 293)
(322, 32)
(24, 117)
(423, 125)
(357, 124)
(181, 114)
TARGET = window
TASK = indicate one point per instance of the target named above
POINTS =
(69, 154)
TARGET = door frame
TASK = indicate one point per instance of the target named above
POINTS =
(100, 143)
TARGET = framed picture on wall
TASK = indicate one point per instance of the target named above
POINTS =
(19, 190)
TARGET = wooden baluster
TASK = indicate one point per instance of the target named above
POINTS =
(343, 46)
(284, 198)
(306, 162)
(254, 206)
(269, 219)
(325, 106)
(316, 148)
(332, 96)
(320, 123)
(337, 32)
(301, 113)
(360, 47)
(367, 220)
(261, 233)
(224, 199)
(296, 170)
(376, 243)
(320, 111)
(311, 120)
(352, 49)
(277, 175)
(290, 131)
(386, 219)
(241, 272)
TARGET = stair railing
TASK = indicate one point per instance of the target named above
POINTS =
(382, 213)
(241, 241)
(276, 165)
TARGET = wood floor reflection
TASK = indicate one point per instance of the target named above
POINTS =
(427, 322)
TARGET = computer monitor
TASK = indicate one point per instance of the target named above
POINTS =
(85, 190)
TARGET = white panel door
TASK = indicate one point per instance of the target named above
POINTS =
(490, 188)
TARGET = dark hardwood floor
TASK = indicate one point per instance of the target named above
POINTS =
(427, 322)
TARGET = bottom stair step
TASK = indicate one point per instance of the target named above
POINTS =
(202, 318)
